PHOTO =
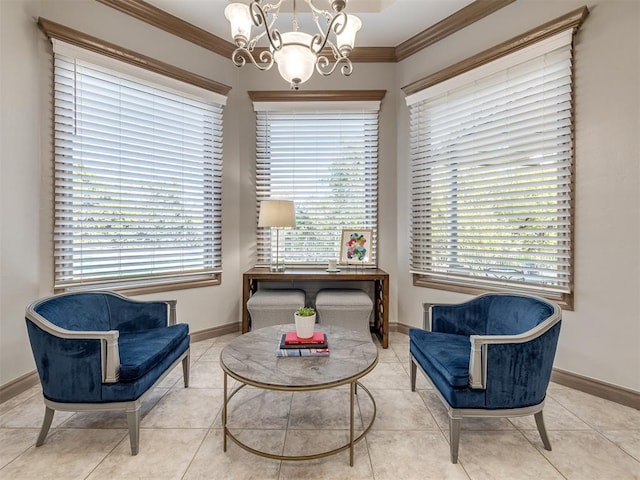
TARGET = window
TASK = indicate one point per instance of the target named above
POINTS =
(492, 175)
(325, 159)
(138, 172)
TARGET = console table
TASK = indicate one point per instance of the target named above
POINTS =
(380, 278)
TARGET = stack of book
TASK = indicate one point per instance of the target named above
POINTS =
(293, 346)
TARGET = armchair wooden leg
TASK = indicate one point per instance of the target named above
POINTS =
(542, 430)
(46, 425)
(413, 369)
(454, 437)
(133, 421)
(186, 363)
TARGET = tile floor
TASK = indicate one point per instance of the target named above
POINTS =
(181, 436)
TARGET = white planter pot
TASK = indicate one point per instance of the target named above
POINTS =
(305, 325)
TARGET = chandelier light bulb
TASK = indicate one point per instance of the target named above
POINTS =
(295, 59)
(239, 17)
(347, 38)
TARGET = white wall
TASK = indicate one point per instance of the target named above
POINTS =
(601, 337)
(26, 267)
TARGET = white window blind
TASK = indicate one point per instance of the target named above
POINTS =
(492, 175)
(327, 163)
(138, 171)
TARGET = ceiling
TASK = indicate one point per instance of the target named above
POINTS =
(394, 21)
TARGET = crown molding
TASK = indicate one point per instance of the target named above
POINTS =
(448, 26)
(571, 20)
(358, 55)
(373, 55)
(316, 95)
(94, 44)
(169, 23)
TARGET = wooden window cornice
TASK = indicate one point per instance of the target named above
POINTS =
(572, 20)
(94, 44)
(316, 95)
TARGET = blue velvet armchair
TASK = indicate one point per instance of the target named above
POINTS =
(489, 357)
(103, 351)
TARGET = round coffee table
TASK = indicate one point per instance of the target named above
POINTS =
(251, 360)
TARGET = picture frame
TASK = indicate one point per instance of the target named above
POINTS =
(355, 246)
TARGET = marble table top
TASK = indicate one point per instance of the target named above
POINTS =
(251, 358)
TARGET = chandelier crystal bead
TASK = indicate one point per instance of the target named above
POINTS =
(296, 53)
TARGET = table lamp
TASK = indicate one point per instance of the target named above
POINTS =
(276, 214)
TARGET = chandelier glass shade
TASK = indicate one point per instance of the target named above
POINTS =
(296, 53)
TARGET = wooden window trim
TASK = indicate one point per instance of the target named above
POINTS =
(573, 19)
(565, 300)
(316, 95)
(94, 44)
(457, 21)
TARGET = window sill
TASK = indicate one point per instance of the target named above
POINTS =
(564, 300)
(143, 289)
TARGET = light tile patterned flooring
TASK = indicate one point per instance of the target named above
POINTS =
(181, 434)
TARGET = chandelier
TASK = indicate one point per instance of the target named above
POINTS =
(296, 53)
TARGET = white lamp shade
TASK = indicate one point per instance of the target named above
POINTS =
(295, 60)
(239, 16)
(347, 38)
(277, 213)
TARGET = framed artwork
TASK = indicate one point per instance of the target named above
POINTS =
(355, 246)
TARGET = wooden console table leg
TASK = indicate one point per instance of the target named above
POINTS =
(248, 287)
(381, 314)
(385, 313)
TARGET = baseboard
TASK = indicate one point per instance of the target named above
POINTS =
(615, 393)
(19, 385)
(213, 332)
(400, 328)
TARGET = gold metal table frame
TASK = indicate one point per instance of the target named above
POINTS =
(351, 380)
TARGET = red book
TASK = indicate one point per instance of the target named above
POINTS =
(292, 339)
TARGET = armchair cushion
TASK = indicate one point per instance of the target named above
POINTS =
(446, 353)
(127, 391)
(141, 351)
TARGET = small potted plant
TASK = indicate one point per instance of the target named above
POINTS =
(305, 319)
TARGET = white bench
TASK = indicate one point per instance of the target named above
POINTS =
(269, 307)
(344, 308)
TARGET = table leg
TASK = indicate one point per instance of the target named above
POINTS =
(224, 414)
(246, 293)
(352, 399)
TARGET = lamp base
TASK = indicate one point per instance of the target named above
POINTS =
(277, 246)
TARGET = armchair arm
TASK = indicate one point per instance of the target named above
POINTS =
(428, 312)
(480, 343)
(109, 352)
(172, 311)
